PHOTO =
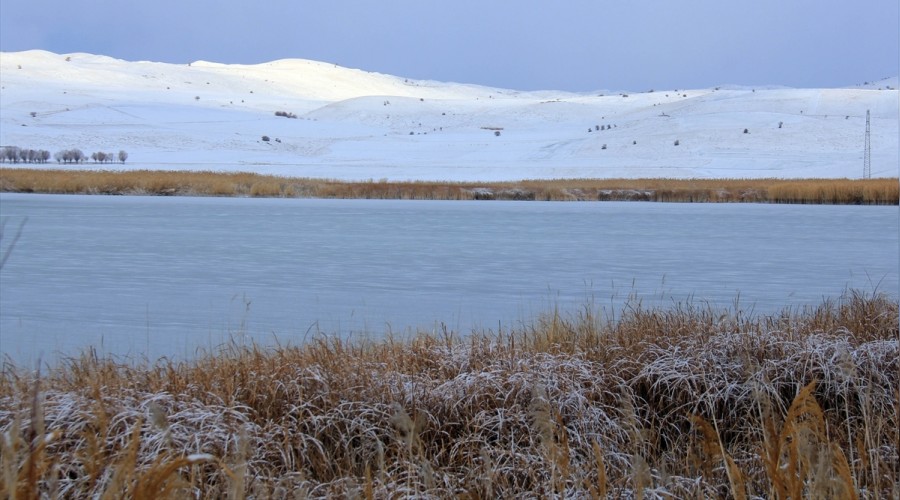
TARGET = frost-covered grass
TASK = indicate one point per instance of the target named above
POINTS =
(683, 402)
(881, 191)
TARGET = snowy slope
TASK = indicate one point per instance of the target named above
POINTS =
(355, 125)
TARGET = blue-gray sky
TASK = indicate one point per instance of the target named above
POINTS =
(578, 45)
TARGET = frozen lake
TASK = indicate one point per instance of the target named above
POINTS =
(153, 276)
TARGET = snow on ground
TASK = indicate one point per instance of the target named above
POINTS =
(357, 125)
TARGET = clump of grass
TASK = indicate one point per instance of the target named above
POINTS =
(680, 402)
(884, 191)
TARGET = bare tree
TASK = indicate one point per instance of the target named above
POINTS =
(101, 157)
(10, 154)
(15, 154)
(70, 156)
(123, 155)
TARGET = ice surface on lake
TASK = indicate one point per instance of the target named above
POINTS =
(147, 276)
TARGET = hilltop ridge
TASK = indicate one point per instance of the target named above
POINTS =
(350, 124)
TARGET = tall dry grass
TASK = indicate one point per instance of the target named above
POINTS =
(822, 191)
(683, 402)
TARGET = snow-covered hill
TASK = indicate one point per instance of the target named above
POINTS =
(357, 125)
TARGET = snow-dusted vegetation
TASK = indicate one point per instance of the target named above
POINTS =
(685, 402)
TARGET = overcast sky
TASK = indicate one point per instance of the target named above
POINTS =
(578, 45)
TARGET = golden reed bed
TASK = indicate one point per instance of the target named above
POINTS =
(882, 191)
(677, 402)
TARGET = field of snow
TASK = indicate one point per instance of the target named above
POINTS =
(357, 125)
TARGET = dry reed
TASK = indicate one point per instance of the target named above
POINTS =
(683, 402)
(884, 191)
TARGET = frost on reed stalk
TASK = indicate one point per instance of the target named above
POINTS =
(644, 403)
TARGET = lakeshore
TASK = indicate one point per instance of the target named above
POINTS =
(879, 191)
